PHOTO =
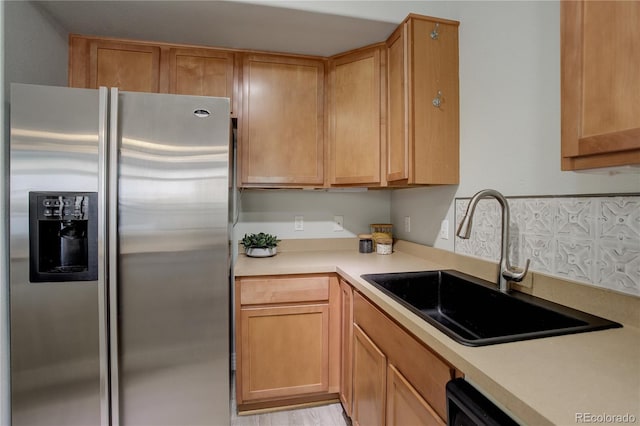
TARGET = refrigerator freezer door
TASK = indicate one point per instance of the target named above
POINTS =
(173, 301)
(55, 326)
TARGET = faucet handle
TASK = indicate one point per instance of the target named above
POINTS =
(516, 274)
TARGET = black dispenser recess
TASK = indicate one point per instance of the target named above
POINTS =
(63, 240)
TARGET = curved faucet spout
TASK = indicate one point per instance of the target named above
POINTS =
(507, 272)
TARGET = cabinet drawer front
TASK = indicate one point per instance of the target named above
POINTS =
(427, 373)
(255, 291)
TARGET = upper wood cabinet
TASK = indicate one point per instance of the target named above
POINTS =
(388, 115)
(423, 102)
(202, 72)
(356, 105)
(600, 85)
(282, 130)
(152, 67)
(103, 62)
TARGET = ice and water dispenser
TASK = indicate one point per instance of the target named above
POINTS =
(63, 241)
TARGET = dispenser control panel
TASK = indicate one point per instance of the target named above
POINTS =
(63, 207)
(63, 243)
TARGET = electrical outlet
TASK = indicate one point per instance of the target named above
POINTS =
(407, 224)
(298, 223)
(444, 230)
(338, 223)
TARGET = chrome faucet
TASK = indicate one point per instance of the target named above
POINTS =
(507, 272)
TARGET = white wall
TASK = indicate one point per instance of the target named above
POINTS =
(273, 211)
(34, 51)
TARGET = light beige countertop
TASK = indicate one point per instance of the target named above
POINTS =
(543, 381)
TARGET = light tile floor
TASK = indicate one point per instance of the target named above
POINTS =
(325, 415)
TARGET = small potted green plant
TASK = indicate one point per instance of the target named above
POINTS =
(260, 245)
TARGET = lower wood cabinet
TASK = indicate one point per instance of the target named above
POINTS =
(310, 338)
(404, 405)
(287, 340)
(396, 379)
(369, 381)
(285, 351)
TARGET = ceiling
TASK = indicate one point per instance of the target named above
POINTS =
(229, 24)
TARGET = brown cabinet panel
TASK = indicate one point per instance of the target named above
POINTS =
(346, 377)
(202, 72)
(267, 290)
(128, 67)
(423, 107)
(284, 351)
(397, 97)
(355, 117)
(369, 381)
(282, 138)
(600, 83)
(405, 406)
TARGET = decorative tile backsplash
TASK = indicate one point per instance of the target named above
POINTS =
(590, 239)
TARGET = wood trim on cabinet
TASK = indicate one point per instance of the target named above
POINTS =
(571, 75)
(78, 61)
(346, 334)
(335, 311)
(397, 98)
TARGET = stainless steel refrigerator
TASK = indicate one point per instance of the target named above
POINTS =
(119, 258)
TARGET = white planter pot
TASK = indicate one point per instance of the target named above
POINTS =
(261, 252)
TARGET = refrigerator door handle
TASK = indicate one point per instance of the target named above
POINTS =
(103, 276)
(113, 257)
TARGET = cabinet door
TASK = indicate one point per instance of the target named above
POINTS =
(434, 119)
(354, 120)
(423, 103)
(285, 351)
(346, 377)
(130, 67)
(282, 138)
(600, 84)
(202, 72)
(369, 381)
(397, 97)
(405, 406)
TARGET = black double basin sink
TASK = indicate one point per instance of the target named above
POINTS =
(474, 313)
